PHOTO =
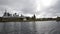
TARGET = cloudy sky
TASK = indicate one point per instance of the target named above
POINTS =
(41, 8)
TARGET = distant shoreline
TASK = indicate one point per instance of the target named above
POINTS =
(28, 20)
(7, 17)
(24, 21)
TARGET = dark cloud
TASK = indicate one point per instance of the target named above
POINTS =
(28, 7)
(54, 10)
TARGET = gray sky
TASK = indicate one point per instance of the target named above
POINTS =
(42, 8)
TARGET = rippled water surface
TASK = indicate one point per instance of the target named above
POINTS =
(38, 27)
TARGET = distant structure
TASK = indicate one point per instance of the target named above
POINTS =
(34, 17)
(6, 14)
(22, 16)
(15, 15)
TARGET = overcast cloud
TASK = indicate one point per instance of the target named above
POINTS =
(42, 8)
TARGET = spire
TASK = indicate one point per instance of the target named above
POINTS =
(34, 16)
(5, 13)
(5, 10)
(21, 15)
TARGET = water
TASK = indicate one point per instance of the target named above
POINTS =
(38, 27)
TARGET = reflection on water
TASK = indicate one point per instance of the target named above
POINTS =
(38, 27)
(55, 30)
